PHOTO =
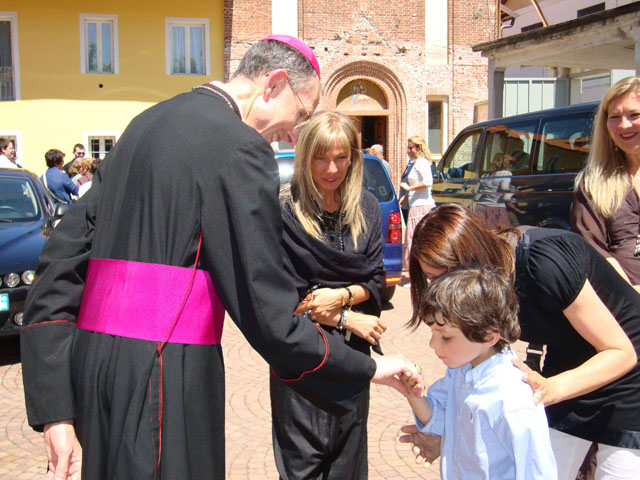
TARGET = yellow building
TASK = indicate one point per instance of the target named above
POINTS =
(78, 72)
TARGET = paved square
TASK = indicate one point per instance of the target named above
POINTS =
(248, 418)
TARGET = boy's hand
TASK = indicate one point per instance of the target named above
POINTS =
(389, 369)
(414, 383)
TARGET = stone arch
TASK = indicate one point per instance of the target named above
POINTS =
(395, 97)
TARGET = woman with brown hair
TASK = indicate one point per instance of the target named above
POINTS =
(572, 300)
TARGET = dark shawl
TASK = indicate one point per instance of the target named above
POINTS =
(311, 262)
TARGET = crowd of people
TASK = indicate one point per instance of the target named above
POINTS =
(122, 363)
(65, 182)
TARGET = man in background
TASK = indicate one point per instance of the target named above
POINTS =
(78, 152)
(7, 154)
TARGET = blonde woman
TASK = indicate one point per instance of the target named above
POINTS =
(606, 206)
(332, 245)
(418, 188)
(80, 170)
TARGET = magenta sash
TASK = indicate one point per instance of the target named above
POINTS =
(141, 300)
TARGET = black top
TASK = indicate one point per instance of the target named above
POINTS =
(334, 263)
(552, 266)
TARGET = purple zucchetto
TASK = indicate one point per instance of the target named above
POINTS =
(300, 46)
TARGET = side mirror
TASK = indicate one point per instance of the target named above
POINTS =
(61, 209)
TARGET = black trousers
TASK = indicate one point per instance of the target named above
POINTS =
(311, 443)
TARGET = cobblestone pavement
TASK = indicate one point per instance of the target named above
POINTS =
(248, 419)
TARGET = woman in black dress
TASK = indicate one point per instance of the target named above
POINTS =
(333, 251)
(572, 300)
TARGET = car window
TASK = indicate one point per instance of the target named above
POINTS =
(376, 180)
(508, 148)
(458, 162)
(18, 200)
(564, 145)
(285, 169)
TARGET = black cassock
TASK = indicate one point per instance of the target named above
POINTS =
(186, 167)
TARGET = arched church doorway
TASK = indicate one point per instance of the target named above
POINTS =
(364, 101)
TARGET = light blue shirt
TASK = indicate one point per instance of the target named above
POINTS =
(490, 427)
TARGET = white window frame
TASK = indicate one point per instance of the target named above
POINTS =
(13, 18)
(186, 22)
(17, 144)
(84, 17)
(87, 135)
(444, 100)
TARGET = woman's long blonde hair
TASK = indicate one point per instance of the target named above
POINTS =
(317, 137)
(606, 177)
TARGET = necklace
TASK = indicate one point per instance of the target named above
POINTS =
(332, 227)
(207, 86)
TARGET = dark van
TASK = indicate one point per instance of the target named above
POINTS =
(518, 170)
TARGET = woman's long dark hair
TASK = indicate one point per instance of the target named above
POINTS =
(451, 236)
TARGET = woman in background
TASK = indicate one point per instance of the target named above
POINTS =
(80, 171)
(418, 188)
(606, 206)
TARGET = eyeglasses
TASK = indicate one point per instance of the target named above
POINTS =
(79, 152)
(305, 113)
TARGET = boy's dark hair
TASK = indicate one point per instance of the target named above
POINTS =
(477, 300)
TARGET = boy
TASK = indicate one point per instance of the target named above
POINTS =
(489, 423)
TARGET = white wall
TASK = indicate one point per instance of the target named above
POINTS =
(284, 17)
(436, 32)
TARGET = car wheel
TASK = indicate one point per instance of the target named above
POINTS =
(387, 294)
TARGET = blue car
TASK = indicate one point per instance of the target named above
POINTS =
(376, 181)
(27, 215)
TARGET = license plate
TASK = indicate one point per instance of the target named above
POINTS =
(4, 302)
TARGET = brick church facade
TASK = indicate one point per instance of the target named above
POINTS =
(381, 64)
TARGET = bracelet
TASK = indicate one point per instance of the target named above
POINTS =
(350, 302)
(342, 323)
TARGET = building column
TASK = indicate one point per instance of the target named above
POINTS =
(635, 34)
(496, 90)
(563, 87)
